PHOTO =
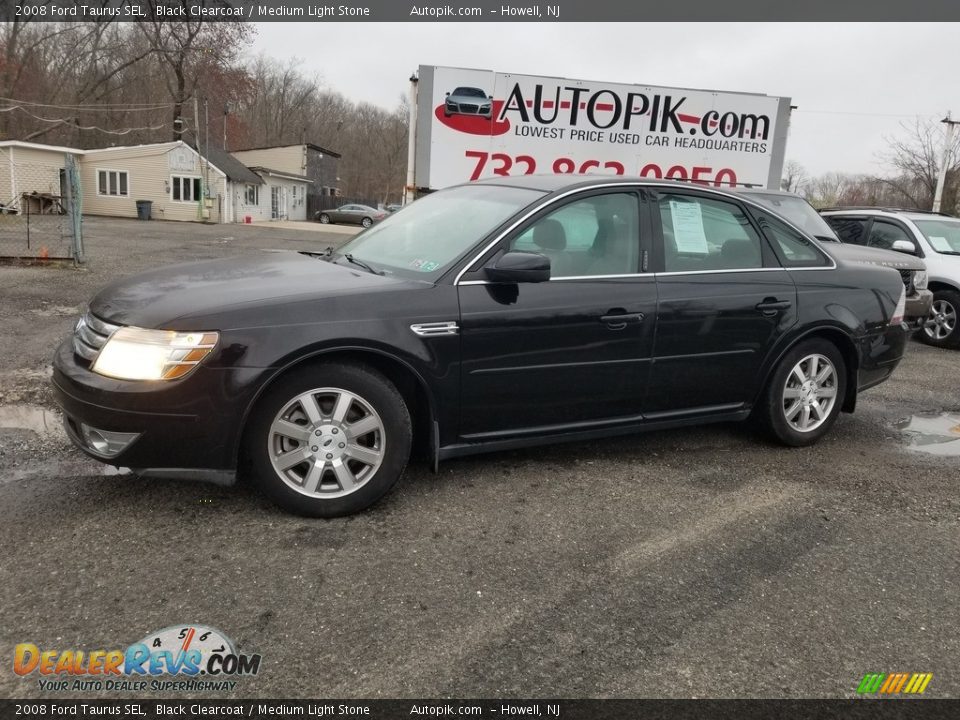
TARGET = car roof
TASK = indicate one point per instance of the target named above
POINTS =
(550, 183)
(912, 213)
(751, 190)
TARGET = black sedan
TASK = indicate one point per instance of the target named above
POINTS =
(487, 316)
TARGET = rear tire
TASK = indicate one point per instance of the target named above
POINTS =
(945, 312)
(329, 440)
(805, 393)
(324, 219)
(366, 222)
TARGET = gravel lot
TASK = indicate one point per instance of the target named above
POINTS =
(691, 563)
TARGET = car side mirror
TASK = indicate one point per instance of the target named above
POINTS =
(489, 97)
(447, 94)
(518, 267)
(904, 246)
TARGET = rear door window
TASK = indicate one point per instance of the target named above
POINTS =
(702, 234)
(849, 230)
(883, 234)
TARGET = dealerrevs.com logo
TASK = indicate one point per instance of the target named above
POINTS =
(185, 658)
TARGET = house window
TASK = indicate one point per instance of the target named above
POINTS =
(252, 196)
(113, 182)
(185, 188)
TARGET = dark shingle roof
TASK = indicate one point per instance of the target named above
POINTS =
(235, 170)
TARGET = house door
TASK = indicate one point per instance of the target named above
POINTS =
(276, 199)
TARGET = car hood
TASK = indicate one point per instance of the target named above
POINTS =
(874, 256)
(158, 298)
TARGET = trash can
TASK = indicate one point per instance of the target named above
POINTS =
(143, 209)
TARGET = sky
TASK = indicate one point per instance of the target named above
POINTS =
(853, 84)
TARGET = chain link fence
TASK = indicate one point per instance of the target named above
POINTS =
(40, 206)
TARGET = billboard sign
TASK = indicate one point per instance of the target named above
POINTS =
(475, 124)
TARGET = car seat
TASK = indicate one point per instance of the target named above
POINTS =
(551, 240)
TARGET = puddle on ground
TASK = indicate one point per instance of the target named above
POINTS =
(32, 417)
(932, 433)
(111, 471)
(58, 311)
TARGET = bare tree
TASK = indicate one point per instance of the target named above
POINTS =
(189, 48)
(916, 155)
(794, 177)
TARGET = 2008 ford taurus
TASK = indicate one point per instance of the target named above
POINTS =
(491, 315)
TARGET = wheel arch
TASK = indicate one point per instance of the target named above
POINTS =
(935, 285)
(409, 383)
(842, 341)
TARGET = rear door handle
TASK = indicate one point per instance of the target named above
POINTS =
(619, 322)
(771, 306)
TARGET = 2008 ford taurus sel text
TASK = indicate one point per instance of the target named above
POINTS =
(486, 316)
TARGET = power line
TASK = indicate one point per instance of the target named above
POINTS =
(863, 114)
(108, 107)
(62, 121)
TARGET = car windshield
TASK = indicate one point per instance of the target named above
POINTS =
(943, 234)
(469, 92)
(799, 212)
(431, 233)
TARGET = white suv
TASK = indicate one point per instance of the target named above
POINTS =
(932, 236)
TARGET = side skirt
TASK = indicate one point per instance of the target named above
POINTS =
(494, 442)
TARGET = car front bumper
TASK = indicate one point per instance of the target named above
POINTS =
(190, 423)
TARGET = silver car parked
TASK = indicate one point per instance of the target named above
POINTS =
(352, 214)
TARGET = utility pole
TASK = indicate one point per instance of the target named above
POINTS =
(196, 121)
(410, 189)
(206, 147)
(945, 162)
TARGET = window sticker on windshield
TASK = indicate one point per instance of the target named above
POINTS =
(424, 265)
(940, 243)
(688, 227)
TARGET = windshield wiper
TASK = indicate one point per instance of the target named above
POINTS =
(362, 264)
(320, 254)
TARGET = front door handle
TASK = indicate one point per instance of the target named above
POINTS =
(619, 322)
(771, 306)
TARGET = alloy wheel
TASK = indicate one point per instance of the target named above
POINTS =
(944, 317)
(810, 393)
(326, 442)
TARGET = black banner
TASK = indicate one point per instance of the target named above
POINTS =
(858, 709)
(474, 10)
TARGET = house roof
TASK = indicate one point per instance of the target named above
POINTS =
(318, 148)
(39, 146)
(281, 174)
(235, 170)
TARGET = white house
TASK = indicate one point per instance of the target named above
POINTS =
(33, 173)
(282, 196)
(179, 183)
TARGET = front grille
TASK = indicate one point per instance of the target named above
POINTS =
(91, 335)
(467, 108)
(907, 277)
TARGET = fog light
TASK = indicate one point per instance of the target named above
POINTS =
(106, 443)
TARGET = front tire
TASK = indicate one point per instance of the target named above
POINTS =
(324, 219)
(805, 393)
(945, 314)
(366, 222)
(329, 440)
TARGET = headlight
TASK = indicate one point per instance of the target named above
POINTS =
(134, 353)
(920, 280)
